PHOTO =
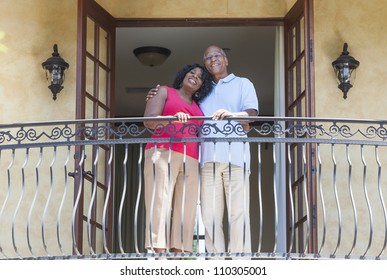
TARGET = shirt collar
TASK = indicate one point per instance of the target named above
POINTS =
(227, 79)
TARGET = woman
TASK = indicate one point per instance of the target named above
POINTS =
(171, 188)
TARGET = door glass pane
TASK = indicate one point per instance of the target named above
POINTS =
(99, 240)
(295, 203)
(89, 76)
(102, 113)
(303, 108)
(103, 78)
(86, 247)
(100, 199)
(101, 164)
(88, 160)
(295, 163)
(90, 36)
(303, 74)
(292, 112)
(294, 84)
(87, 188)
(89, 108)
(103, 46)
(302, 34)
(293, 44)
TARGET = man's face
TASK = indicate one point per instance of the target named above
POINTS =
(215, 61)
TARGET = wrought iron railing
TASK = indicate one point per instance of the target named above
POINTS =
(74, 189)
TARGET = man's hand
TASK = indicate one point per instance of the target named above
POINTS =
(221, 114)
(152, 92)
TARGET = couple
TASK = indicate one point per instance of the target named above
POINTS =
(199, 91)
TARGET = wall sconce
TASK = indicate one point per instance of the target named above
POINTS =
(345, 69)
(55, 67)
(152, 56)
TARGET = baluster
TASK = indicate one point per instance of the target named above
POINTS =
(352, 201)
(58, 224)
(123, 195)
(367, 201)
(107, 198)
(336, 199)
(381, 201)
(138, 199)
(78, 197)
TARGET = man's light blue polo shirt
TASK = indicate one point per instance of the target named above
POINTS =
(233, 94)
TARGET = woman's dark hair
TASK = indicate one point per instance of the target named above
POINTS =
(206, 87)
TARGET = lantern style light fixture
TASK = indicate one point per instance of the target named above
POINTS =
(55, 67)
(151, 55)
(345, 70)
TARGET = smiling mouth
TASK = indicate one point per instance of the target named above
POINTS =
(192, 80)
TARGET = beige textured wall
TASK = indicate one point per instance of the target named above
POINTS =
(196, 8)
(362, 24)
(30, 29)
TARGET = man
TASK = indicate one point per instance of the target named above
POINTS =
(226, 168)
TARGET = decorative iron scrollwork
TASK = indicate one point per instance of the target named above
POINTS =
(330, 129)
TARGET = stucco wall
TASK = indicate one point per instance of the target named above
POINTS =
(196, 8)
(362, 24)
(30, 29)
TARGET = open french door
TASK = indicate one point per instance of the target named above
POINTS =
(92, 229)
(95, 96)
(299, 84)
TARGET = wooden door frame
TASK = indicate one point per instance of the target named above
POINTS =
(237, 22)
(102, 19)
(180, 22)
(307, 175)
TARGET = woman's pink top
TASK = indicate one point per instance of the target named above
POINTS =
(173, 105)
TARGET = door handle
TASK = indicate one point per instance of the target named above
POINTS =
(84, 173)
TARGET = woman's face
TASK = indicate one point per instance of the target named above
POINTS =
(193, 79)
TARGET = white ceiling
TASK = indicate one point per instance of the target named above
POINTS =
(251, 54)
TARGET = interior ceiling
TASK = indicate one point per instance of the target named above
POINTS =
(251, 54)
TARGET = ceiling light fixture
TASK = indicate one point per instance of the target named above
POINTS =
(151, 56)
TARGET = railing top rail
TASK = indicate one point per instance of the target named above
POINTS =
(119, 128)
(141, 119)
